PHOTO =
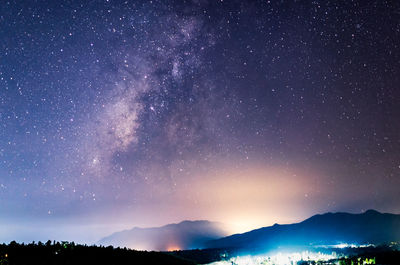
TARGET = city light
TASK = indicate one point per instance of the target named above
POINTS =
(278, 258)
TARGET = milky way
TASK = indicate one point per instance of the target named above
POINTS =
(122, 113)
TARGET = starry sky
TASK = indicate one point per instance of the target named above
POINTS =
(116, 114)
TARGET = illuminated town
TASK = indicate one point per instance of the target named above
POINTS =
(299, 258)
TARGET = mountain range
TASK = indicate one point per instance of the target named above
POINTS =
(184, 235)
(370, 227)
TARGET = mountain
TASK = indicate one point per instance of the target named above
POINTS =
(370, 227)
(185, 235)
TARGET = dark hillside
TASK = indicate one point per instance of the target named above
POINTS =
(71, 254)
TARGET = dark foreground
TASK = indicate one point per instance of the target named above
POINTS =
(65, 253)
(71, 254)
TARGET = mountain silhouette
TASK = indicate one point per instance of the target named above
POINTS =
(184, 235)
(370, 227)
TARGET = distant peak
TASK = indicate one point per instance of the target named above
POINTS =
(371, 211)
(194, 221)
(329, 215)
(188, 223)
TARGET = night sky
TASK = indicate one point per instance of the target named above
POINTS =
(116, 114)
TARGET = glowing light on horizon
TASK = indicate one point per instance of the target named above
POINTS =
(173, 248)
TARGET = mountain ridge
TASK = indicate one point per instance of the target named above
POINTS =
(163, 226)
(329, 228)
(187, 234)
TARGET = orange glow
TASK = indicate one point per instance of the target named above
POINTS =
(173, 248)
(248, 197)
